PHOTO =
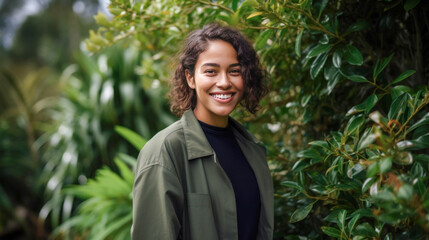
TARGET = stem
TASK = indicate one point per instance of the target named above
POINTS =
(217, 5)
(409, 119)
(318, 26)
(378, 86)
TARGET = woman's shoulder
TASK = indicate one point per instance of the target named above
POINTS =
(159, 149)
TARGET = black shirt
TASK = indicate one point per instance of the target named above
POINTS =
(242, 178)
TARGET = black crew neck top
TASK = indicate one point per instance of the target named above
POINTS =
(241, 176)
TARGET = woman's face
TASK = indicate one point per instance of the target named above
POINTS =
(218, 83)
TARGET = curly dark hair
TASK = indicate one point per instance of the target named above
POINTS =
(182, 97)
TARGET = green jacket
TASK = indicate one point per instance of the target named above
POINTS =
(181, 191)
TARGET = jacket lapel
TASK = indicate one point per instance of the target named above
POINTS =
(196, 142)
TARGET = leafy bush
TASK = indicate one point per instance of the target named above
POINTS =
(99, 93)
(336, 69)
(106, 212)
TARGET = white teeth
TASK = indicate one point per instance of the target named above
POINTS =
(222, 96)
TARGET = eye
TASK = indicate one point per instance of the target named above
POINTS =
(235, 72)
(210, 71)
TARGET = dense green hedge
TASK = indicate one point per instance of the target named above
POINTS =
(345, 123)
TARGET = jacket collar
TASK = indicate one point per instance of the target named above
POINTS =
(197, 144)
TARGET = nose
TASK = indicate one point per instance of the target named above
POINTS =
(223, 81)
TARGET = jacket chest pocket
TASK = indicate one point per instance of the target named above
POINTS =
(201, 223)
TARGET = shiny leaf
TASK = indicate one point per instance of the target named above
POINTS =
(352, 222)
(380, 65)
(333, 232)
(336, 58)
(405, 192)
(301, 213)
(422, 121)
(318, 64)
(357, 78)
(319, 49)
(385, 164)
(354, 124)
(403, 76)
(398, 106)
(298, 43)
(341, 218)
(365, 229)
(353, 55)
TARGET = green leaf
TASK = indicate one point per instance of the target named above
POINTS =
(319, 49)
(354, 124)
(336, 58)
(417, 171)
(234, 5)
(396, 91)
(126, 173)
(298, 43)
(363, 212)
(373, 169)
(333, 82)
(353, 55)
(352, 223)
(365, 230)
(385, 164)
(357, 26)
(318, 64)
(341, 219)
(292, 184)
(353, 171)
(366, 106)
(309, 153)
(113, 226)
(261, 41)
(333, 232)
(405, 192)
(420, 187)
(357, 78)
(403, 76)
(410, 4)
(322, 144)
(367, 138)
(398, 106)
(127, 159)
(135, 139)
(301, 213)
(381, 65)
(323, 4)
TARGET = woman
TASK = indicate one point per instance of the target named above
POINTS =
(204, 176)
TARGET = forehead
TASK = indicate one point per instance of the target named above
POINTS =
(218, 51)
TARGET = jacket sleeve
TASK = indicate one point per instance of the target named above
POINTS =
(157, 203)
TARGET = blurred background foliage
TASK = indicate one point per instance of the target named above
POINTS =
(345, 123)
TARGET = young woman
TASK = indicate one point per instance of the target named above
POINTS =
(205, 177)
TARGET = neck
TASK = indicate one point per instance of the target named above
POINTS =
(216, 121)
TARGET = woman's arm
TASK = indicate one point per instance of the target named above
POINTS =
(157, 204)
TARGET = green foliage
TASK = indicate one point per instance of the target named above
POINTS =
(99, 93)
(347, 146)
(106, 212)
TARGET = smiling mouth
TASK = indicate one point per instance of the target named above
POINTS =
(222, 96)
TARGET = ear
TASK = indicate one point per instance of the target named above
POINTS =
(190, 79)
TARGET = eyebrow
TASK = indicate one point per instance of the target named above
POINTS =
(217, 65)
